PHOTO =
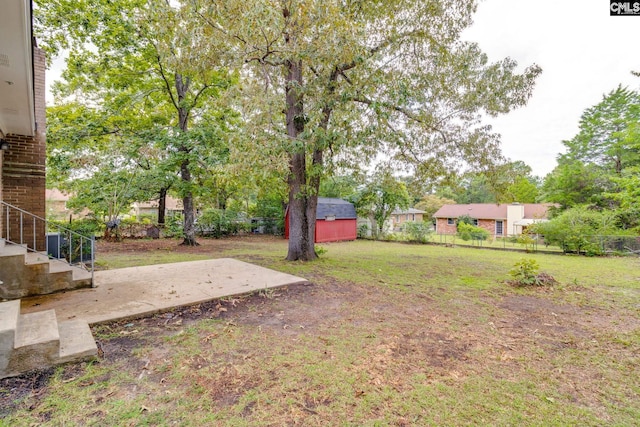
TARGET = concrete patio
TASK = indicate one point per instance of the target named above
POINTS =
(139, 291)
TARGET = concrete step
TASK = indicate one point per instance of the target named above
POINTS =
(9, 314)
(24, 273)
(12, 250)
(34, 258)
(37, 342)
(76, 341)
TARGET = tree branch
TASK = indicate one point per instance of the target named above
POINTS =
(166, 82)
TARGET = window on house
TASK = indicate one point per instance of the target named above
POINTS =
(450, 221)
(475, 222)
(499, 225)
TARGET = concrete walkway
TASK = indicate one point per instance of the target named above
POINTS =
(137, 291)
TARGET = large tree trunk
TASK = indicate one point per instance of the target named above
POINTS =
(189, 229)
(162, 207)
(302, 202)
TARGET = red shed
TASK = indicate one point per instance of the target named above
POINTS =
(335, 221)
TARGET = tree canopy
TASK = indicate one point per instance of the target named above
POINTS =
(135, 70)
(345, 81)
(602, 157)
(323, 85)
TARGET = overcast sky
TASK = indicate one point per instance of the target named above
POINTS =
(584, 53)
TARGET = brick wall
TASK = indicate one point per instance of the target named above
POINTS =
(443, 228)
(23, 169)
(488, 224)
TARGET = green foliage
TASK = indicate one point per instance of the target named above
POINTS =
(502, 183)
(219, 223)
(471, 232)
(135, 97)
(173, 226)
(465, 219)
(341, 187)
(575, 230)
(430, 203)
(324, 85)
(363, 231)
(84, 226)
(418, 231)
(382, 194)
(269, 209)
(352, 80)
(321, 250)
(602, 157)
(525, 272)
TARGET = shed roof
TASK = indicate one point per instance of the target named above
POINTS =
(339, 208)
(491, 210)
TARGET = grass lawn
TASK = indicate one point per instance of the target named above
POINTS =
(386, 334)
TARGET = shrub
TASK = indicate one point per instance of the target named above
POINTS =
(173, 225)
(417, 231)
(525, 273)
(219, 223)
(86, 226)
(471, 232)
(363, 231)
(574, 230)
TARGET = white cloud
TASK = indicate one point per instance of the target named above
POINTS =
(584, 53)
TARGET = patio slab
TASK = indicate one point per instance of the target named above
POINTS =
(139, 291)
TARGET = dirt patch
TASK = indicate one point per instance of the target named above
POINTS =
(19, 391)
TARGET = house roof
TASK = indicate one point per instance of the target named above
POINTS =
(339, 208)
(407, 211)
(491, 210)
(171, 203)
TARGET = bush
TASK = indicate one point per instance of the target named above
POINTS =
(471, 232)
(573, 230)
(219, 223)
(173, 226)
(525, 273)
(417, 231)
(86, 226)
(363, 231)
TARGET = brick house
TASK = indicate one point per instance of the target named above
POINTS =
(497, 219)
(399, 217)
(22, 120)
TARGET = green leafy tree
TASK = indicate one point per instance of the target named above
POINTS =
(605, 138)
(379, 198)
(348, 80)
(430, 204)
(607, 145)
(342, 187)
(141, 65)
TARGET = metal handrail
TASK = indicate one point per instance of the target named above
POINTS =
(83, 243)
